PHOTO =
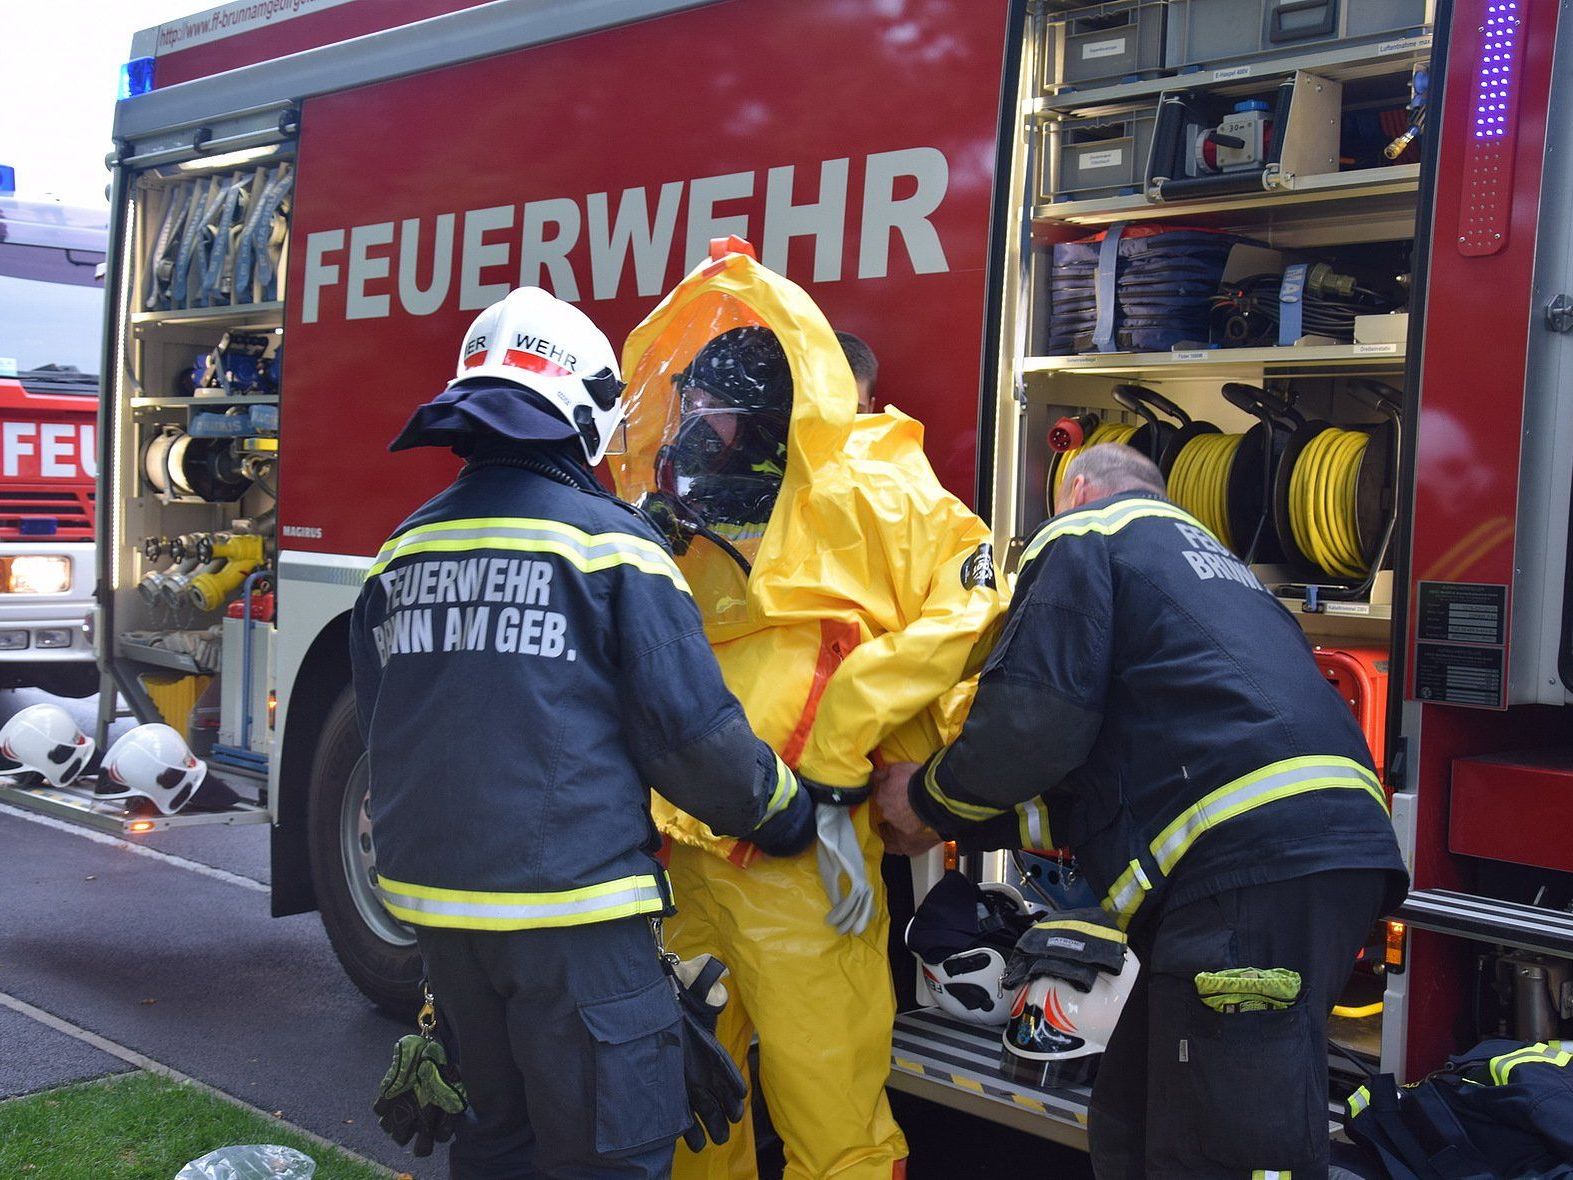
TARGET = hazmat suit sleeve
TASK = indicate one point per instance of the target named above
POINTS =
(935, 562)
(1040, 699)
(687, 732)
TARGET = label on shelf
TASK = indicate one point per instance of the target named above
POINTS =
(1196, 354)
(1404, 44)
(1231, 73)
(1096, 49)
(1104, 159)
(1387, 349)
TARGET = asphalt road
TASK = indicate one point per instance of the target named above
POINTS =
(188, 969)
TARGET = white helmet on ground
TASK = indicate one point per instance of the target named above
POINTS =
(152, 761)
(962, 935)
(45, 739)
(532, 339)
(1056, 1032)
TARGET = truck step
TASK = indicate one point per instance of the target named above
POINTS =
(1485, 919)
(110, 816)
(958, 1065)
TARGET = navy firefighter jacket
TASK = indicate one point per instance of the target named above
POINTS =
(1152, 707)
(529, 664)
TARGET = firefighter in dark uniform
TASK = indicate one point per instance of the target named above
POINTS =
(528, 665)
(1153, 708)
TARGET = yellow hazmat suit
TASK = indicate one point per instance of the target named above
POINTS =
(871, 588)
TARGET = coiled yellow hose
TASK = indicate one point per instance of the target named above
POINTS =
(1322, 501)
(1104, 432)
(1199, 481)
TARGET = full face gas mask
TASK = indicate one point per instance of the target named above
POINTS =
(722, 470)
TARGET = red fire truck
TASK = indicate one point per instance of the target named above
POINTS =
(1311, 256)
(51, 307)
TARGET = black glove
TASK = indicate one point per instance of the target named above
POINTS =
(1073, 945)
(716, 1089)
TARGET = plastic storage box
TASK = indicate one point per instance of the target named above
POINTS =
(1222, 32)
(1104, 156)
(1104, 43)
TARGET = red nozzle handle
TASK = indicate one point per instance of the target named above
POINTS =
(731, 244)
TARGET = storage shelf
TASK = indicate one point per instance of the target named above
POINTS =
(1300, 199)
(1278, 361)
(111, 816)
(161, 657)
(1342, 64)
(261, 315)
(207, 403)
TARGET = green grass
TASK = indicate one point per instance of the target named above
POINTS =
(140, 1127)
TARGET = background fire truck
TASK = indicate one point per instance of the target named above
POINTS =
(1311, 256)
(51, 312)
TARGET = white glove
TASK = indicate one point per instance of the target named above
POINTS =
(841, 856)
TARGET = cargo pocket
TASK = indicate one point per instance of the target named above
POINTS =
(640, 1096)
(1239, 1084)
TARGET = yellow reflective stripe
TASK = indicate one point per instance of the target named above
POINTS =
(1271, 1174)
(786, 788)
(1281, 780)
(1359, 1100)
(1088, 928)
(588, 552)
(1105, 522)
(1032, 824)
(968, 811)
(1125, 896)
(1502, 1067)
(426, 905)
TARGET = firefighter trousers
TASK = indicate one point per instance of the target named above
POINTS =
(821, 1003)
(1184, 1091)
(567, 1040)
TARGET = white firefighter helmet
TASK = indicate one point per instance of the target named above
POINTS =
(964, 981)
(152, 761)
(43, 738)
(1057, 1032)
(532, 339)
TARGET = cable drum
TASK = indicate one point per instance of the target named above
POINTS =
(1323, 501)
(1199, 481)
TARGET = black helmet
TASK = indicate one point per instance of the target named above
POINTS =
(744, 368)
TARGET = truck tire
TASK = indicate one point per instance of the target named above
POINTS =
(378, 951)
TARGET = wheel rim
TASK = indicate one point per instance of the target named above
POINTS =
(360, 859)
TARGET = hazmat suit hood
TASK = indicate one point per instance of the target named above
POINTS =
(860, 612)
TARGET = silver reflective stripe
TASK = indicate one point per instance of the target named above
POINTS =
(1233, 800)
(1035, 824)
(530, 913)
(605, 545)
(1105, 521)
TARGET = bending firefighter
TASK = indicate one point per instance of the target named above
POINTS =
(528, 661)
(1151, 707)
(844, 592)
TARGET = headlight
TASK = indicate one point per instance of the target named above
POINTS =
(35, 574)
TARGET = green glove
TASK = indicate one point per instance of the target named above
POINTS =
(437, 1084)
(421, 1096)
(1248, 989)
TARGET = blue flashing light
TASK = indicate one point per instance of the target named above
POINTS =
(136, 77)
(7, 179)
(1495, 81)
